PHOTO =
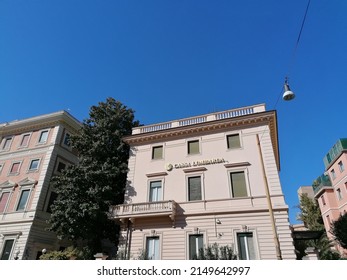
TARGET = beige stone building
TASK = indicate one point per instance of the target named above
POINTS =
(31, 151)
(207, 179)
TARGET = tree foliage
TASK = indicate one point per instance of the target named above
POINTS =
(86, 190)
(339, 230)
(216, 252)
(70, 253)
(310, 215)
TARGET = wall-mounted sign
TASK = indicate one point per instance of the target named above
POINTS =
(170, 166)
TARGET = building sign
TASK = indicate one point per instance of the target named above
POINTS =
(170, 166)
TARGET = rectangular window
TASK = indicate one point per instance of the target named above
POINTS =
(6, 252)
(196, 244)
(34, 164)
(323, 200)
(43, 136)
(333, 174)
(193, 147)
(23, 200)
(341, 166)
(152, 248)
(155, 191)
(3, 201)
(157, 152)
(61, 166)
(328, 219)
(238, 184)
(233, 141)
(67, 139)
(1, 166)
(194, 188)
(15, 168)
(53, 197)
(339, 194)
(25, 140)
(246, 246)
(7, 143)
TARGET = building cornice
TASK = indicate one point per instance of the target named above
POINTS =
(39, 122)
(251, 120)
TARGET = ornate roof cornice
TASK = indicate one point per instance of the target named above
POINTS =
(251, 120)
(39, 122)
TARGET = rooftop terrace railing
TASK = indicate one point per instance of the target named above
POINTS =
(200, 119)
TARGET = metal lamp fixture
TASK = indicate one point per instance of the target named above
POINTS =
(288, 94)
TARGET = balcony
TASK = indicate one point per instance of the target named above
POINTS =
(322, 182)
(143, 210)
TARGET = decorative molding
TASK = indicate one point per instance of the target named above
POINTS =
(196, 169)
(237, 164)
(157, 174)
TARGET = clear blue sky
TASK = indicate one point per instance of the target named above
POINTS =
(172, 59)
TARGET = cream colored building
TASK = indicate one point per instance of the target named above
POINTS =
(208, 179)
(31, 151)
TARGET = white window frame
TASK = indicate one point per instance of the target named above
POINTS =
(40, 134)
(199, 145)
(27, 185)
(162, 152)
(1, 166)
(156, 248)
(19, 167)
(153, 234)
(161, 180)
(9, 236)
(341, 166)
(7, 187)
(190, 175)
(20, 146)
(4, 140)
(246, 229)
(8, 199)
(339, 194)
(232, 134)
(196, 231)
(333, 174)
(38, 164)
(237, 170)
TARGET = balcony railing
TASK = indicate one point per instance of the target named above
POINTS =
(201, 119)
(322, 181)
(157, 208)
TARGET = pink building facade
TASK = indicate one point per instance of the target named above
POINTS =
(31, 152)
(331, 188)
(209, 179)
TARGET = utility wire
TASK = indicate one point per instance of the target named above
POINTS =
(292, 58)
(298, 39)
(295, 50)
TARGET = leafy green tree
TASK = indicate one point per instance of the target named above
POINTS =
(311, 216)
(339, 230)
(310, 213)
(70, 253)
(87, 189)
(216, 252)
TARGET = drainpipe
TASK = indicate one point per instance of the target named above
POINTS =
(128, 240)
(268, 198)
